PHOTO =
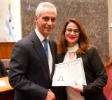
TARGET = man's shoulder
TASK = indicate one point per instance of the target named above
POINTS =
(24, 40)
(27, 39)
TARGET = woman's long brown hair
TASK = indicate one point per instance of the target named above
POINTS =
(83, 38)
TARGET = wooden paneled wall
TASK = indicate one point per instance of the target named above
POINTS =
(6, 49)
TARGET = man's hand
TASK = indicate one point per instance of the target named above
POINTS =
(50, 95)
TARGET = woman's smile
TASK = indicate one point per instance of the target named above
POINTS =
(71, 37)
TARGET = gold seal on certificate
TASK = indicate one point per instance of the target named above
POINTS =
(66, 73)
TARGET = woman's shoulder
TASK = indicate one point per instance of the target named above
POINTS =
(91, 48)
(92, 51)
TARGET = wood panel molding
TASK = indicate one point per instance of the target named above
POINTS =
(6, 49)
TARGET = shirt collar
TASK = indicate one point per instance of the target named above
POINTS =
(73, 49)
(40, 36)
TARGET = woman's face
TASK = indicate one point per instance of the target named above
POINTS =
(72, 34)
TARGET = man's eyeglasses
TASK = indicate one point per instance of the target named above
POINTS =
(72, 31)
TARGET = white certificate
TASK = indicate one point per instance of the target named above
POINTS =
(66, 73)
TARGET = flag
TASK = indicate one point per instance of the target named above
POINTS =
(9, 24)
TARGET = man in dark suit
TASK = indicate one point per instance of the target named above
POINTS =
(31, 68)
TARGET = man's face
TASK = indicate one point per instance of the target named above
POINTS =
(46, 21)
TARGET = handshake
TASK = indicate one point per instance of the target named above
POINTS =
(50, 95)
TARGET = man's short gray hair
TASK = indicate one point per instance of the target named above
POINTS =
(42, 5)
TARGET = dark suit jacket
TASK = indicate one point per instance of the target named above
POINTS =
(3, 72)
(96, 76)
(29, 71)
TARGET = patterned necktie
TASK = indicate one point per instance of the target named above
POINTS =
(46, 47)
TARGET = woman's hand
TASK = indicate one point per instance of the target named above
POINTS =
(78, 87)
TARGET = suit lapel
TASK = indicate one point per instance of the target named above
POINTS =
(79, 55)
(40, 50)
(60, 58)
